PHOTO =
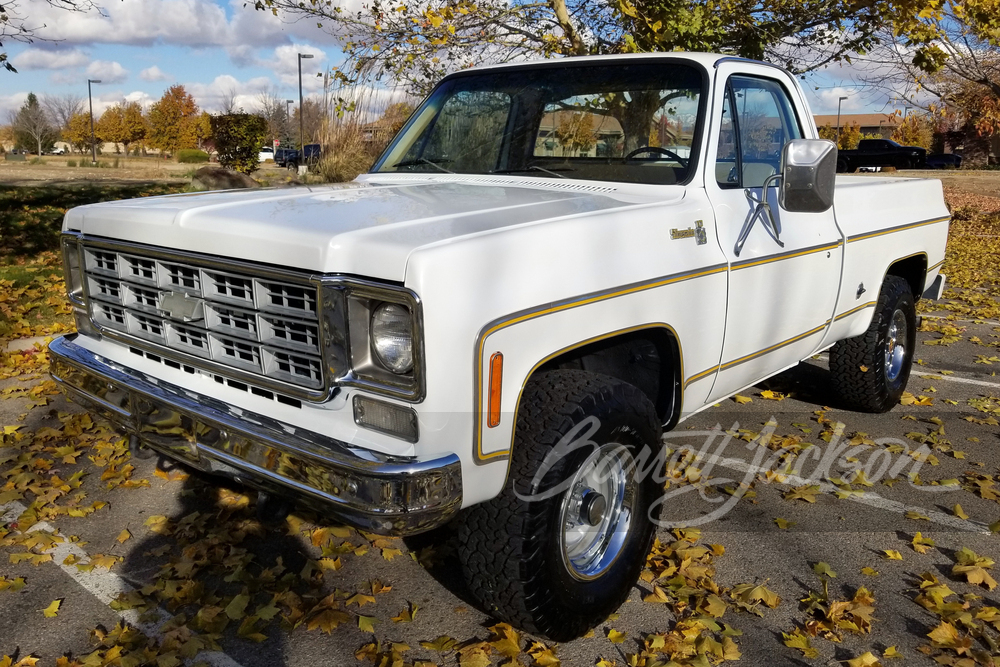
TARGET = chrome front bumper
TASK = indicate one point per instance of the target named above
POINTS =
(377, 493)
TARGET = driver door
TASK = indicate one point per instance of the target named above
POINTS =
(782, 292)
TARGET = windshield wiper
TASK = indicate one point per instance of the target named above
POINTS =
(533, 167)
(423, 160)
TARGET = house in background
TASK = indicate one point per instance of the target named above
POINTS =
(882, 124)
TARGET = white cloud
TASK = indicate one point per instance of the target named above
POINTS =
(191, 23)
(154, 73)
(31, 59)
(10, 104)
(209, 96)
(107, 71)
(285, 64)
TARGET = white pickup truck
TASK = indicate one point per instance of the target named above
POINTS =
(550, 264)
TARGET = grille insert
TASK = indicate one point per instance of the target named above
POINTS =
(264, 327)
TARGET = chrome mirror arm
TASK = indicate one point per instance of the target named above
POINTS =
(761, 209)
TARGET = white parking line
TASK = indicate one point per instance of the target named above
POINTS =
(104, 585)
(952, 378)
(868, 498)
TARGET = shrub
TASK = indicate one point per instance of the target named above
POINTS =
(191, 156)
(347, 154)
(70, 163)
(238, 138)
(36, 160)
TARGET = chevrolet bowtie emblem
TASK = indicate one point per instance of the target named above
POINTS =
(181, 306)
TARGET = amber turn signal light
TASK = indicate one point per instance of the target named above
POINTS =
(496, 380)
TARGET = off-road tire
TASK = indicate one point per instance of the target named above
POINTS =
(510, 548)
(858, 365)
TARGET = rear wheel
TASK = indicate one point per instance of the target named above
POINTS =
(870, 371)
(562, 545)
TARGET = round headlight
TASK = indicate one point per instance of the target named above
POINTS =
(392, 337)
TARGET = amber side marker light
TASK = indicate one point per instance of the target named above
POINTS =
(496, 380)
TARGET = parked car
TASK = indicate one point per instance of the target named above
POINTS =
(944, 161)
(293, 159)
(479, 329)
(266, 153)
(881, 153)
(282, 156)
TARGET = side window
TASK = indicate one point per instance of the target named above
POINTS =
(726, 172)
(764, 121)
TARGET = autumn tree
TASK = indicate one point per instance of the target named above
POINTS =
(77, 132)
(173, 121)
(914, 130)
(847, 138)
(122, 124)
(947, 50)
(418, 42)
(575, 132)
(203, 128)
(32, 127)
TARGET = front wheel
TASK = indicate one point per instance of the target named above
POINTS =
(870, 371)
(562, 545)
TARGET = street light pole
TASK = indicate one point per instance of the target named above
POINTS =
(93, 141)
(839, 102)
(302, 136)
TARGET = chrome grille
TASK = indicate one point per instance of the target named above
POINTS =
(255, 324)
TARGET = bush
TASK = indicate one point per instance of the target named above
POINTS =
(238, 138)
(191, 156)
(347, 155)
(36, 160)
(70, 163)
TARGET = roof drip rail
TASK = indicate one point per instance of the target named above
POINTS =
(740, 59)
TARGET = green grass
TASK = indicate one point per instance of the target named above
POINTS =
(31, 217)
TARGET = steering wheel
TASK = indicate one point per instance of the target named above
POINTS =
(656, 149)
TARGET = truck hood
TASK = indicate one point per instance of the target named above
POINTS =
(366, 228)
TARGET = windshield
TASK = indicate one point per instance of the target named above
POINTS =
(619, 122)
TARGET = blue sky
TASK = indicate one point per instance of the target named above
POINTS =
(138, 48)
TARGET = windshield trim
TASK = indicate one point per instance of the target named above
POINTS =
(699, 129)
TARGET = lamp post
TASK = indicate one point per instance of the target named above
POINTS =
(839, 102)
(93, 141)
(302, 136)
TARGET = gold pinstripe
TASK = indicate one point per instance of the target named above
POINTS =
(503, 323)
(893, 230)
(596, 339)
(746, 264)
(753, 355)
(853, 310)
(935, 266)
(523, 316)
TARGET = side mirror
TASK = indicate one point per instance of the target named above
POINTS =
(808, 175)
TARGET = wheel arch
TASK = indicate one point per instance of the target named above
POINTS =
(648, 356)
(912, 269)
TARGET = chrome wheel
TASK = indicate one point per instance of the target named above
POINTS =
(597, 511)
(895, 345)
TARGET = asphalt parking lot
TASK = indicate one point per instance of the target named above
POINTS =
(183, 558)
